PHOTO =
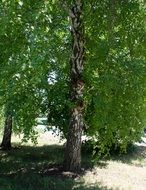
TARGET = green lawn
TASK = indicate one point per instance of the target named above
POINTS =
(39, 168)
(34, 168)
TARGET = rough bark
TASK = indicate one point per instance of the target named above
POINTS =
(72, 161)
(6, 142)
(112, 16)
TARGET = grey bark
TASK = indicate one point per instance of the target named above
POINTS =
(72, 161)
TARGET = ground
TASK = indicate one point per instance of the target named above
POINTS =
(29, 167)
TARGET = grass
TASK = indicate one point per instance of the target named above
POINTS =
(36, 168)
(30, 168)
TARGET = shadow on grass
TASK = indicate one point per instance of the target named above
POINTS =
(38, 168)
(37, 182)
(134, 153)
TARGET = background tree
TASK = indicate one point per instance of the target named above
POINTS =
(6, 141)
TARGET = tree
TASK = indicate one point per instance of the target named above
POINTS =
(24, 74)
(37, 47)
(6, 141)
(72, 160)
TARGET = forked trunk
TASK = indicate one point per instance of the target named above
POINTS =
(6, 142)
(72, 161)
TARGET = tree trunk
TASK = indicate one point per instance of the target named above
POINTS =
(72, 161)
(6, 142)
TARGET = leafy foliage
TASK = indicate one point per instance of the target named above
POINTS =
(31, 45)
(116, 65)
(35, 49)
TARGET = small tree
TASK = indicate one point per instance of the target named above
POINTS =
(6, 141)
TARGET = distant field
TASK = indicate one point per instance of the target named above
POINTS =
(35, 168)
